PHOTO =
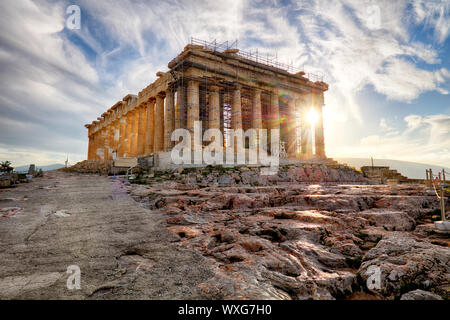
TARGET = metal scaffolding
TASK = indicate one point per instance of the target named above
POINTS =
(256, 57)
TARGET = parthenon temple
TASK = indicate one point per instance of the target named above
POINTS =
(223, 88)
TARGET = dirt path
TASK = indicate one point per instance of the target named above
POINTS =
(123, 250)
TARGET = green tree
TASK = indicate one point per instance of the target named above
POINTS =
(5, 166)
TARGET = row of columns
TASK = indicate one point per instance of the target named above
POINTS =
(134, 132)
(147, 128)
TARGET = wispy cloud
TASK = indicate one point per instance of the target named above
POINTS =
(425, 139)
(435, 16)
(54, 80)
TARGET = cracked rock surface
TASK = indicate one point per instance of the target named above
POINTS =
(305, 241)
(182, 237)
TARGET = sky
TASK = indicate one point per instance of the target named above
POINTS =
(387, 64)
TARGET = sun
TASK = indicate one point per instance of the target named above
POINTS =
(312, 116)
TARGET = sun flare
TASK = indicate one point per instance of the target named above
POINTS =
(312, 116)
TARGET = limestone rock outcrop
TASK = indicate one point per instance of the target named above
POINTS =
(291, 240)
(91, 166)
(420, 295)
(407, 262)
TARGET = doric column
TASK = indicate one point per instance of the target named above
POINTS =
(193, 110)
(98, 144)
(130, 131)
(106, 141)
(257, 114)
(305, 124)
(102, 144)
(222, 120)
(93, 141)
(142, 129)
(89, 155)
(274, 110)
(236, 109)
(291, 129)
(134, 132)
(159, 123)
(90, 143)
(110, 139)
(116, 138)
(149, 132)
(256, 110)
(128, 134)
(274, 117)
(94, 145)
(214, 108)
(169, 119)
(122, 136)
(193, 104)
(319, 136)
(142, 110)
(101, 148)
(236, 119)
(180, 115)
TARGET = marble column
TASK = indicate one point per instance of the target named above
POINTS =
(180, 115)
(101, 145)
(305, 124)
(256, 110)
(134, 132)
(89, 148)
(291, 129)
(90, 142)
(193, 104)
(149, 132)
(122, 136)
(116, 136)
(159, 124)
(106, 138)
(102, 149)
(193, 110)
(89, 157)
(128, 134)
(142, 111)
(214, 108)
(236, 109)
(274, 117)
(169, 119)
(94, 145)
(236, 119)
(319, 135)
(110, 138)
(257, 114)
(222, 120)
(98, 145)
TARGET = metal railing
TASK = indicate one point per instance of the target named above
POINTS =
(130, 170)
(438, 184)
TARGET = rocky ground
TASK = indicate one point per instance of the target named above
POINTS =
(310, 232)
(288, 239)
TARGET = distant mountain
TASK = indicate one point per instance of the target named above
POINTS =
(411, 170)
(44, 168)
